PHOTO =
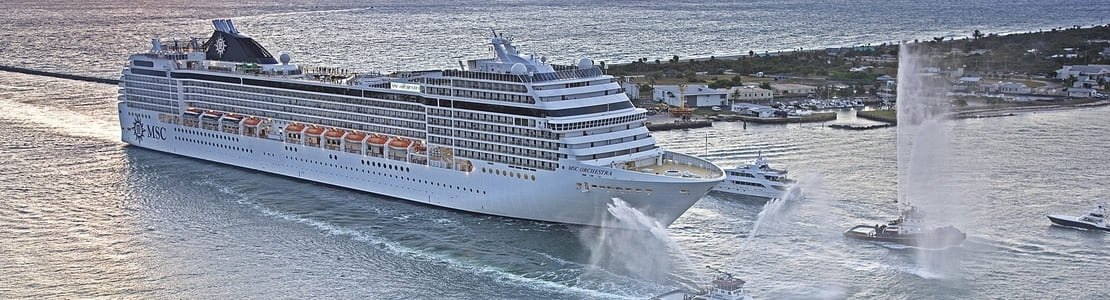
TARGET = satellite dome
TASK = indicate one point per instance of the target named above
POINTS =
(585, 63)
(518, 69)
(284, 57)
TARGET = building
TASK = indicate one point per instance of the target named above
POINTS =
(790, 89)
(1081, 93)
(1005, 88)
(1094, 71)
(750, 94)
(968, 84)
(631, 89)
(754, 110)
(696, 96)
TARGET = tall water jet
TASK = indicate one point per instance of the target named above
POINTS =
(776, 211)
(635, 244)
(925, 154)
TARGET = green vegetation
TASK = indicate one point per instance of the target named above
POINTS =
(1026, 57)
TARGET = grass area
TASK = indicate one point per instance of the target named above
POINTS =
(888, 116)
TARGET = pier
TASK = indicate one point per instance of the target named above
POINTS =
(59, 75)
(678, 125)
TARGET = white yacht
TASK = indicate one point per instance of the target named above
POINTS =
(1093, 220)
(512, 135)
(755, 179)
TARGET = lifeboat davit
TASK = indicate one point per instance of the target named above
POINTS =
(355, 137)
(377, 140)
(252, 122)
(400, 143)
(314, 131)
(334, 133)
(294, 127)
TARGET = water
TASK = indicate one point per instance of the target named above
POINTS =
(84, 216)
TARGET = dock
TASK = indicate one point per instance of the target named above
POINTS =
(817, 117)
(678, 125)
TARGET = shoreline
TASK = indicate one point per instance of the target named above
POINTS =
(1010, 111)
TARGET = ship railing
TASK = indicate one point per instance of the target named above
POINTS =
(711, 170)
(527, 78)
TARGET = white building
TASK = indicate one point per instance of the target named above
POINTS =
(750, 94)
(1094, 71)
(632, 90)
(784, 89)
(1005, 88)
(1081, 93)
(696, 95)
(754, 110)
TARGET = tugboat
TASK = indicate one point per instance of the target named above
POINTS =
(725, 287)
(1095, 219)
(755, 179)
(909, 229)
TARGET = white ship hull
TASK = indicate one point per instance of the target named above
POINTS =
(554, 196)
(746, 190)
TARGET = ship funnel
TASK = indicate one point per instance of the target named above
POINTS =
(231, 27)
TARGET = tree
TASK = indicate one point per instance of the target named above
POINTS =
(765, 85)
(977, 35)
(751, 52)
(674, 59)
(720, 84)
(1070, 81)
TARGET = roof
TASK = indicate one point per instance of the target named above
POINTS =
(692, 90)
(790, 86)
(1012, 85)
(970, 79)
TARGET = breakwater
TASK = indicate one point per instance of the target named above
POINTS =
(678, 125)
(816, 117)
(59, 75)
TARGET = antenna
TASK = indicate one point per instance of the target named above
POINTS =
(719, 271)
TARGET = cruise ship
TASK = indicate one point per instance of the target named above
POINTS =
(511, 135)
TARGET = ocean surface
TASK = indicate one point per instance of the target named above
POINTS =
(82, 215)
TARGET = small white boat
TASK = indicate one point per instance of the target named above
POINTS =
(755, 179)
(1093, 220)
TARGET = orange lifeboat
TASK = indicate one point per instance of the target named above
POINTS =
(355, 137)
(419, 147)
(314, 131)
(251, 122)
(400, 143)
(377, 140)
(334, 133)
(294, 127)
